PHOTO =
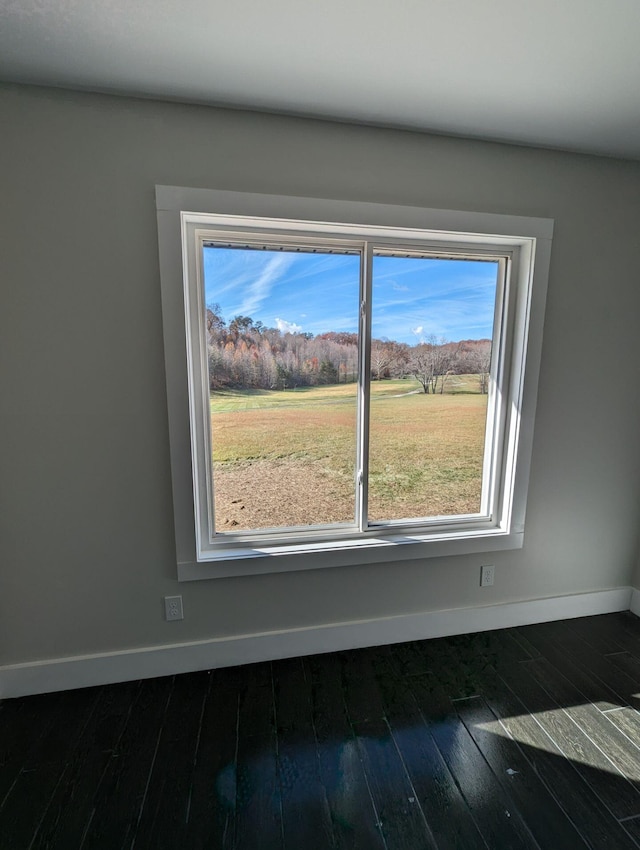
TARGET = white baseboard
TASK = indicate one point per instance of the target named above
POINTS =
(82, 671)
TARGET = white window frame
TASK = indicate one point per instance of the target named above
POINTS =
(186, 217)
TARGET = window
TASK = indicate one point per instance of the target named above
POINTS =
(360, 379)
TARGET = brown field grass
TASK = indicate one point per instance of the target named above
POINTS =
(289, 458)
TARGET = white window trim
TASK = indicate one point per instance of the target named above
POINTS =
(181, 210)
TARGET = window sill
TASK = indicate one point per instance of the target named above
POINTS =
(340, 553)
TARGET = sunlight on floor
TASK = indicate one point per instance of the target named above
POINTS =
(563, 736)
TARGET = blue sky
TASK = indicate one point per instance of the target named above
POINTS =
(413, 298)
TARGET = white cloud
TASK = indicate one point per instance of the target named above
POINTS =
(287, 327)
(417, 331)
(260, 289)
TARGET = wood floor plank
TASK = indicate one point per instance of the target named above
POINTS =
(400, 817)
(446, 812)
(527, 647)
(353, 814)
(65, 732)
(27, 805)
(592, 722)
(490, 648)
(599, 632)
(23, 724)
(362, 695)
(105, 728)
(627, 721)
(412, 659)
(256, 709)
(603, 669)
(120, 794)
(492, 809)
(627, 627)
(38, 784)
(458, 665)
(517, 777)
(474, 650)
(578, 664)
(592, 819)
(576, 728)
(629, 619)
(72, 804)
(630, 665)
(610, 633)
(23, 721)
(632, 828)
(212, 803)
(258, 816)
(306, 818)
(163, 819)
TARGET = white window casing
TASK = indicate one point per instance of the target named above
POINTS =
(189, 218)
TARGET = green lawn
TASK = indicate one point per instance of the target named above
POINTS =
(226, 401)
(297, 448)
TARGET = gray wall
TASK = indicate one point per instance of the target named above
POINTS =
(86, 518)
(635, 580)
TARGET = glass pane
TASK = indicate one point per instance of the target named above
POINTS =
(432, 330)
(282, 332)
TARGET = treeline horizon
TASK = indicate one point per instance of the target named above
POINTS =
(246, 354)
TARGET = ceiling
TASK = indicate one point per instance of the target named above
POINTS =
(553, 73)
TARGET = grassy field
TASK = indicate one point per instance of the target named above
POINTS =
(288, 457)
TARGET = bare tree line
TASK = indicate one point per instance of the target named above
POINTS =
(247, 354)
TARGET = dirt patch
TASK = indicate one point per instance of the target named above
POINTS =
(280, 493)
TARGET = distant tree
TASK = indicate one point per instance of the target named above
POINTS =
(284, 377)
(217, 370)
(215, 324)
(341, 337)
(383, 357)
(328, 372)
(475, 359)
(482, 359)
(240, 325)
(430, 363)
(245, 353)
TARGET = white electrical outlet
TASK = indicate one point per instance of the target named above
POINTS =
(173, 608)
(487, 575)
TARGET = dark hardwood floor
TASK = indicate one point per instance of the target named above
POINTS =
(520, 738)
